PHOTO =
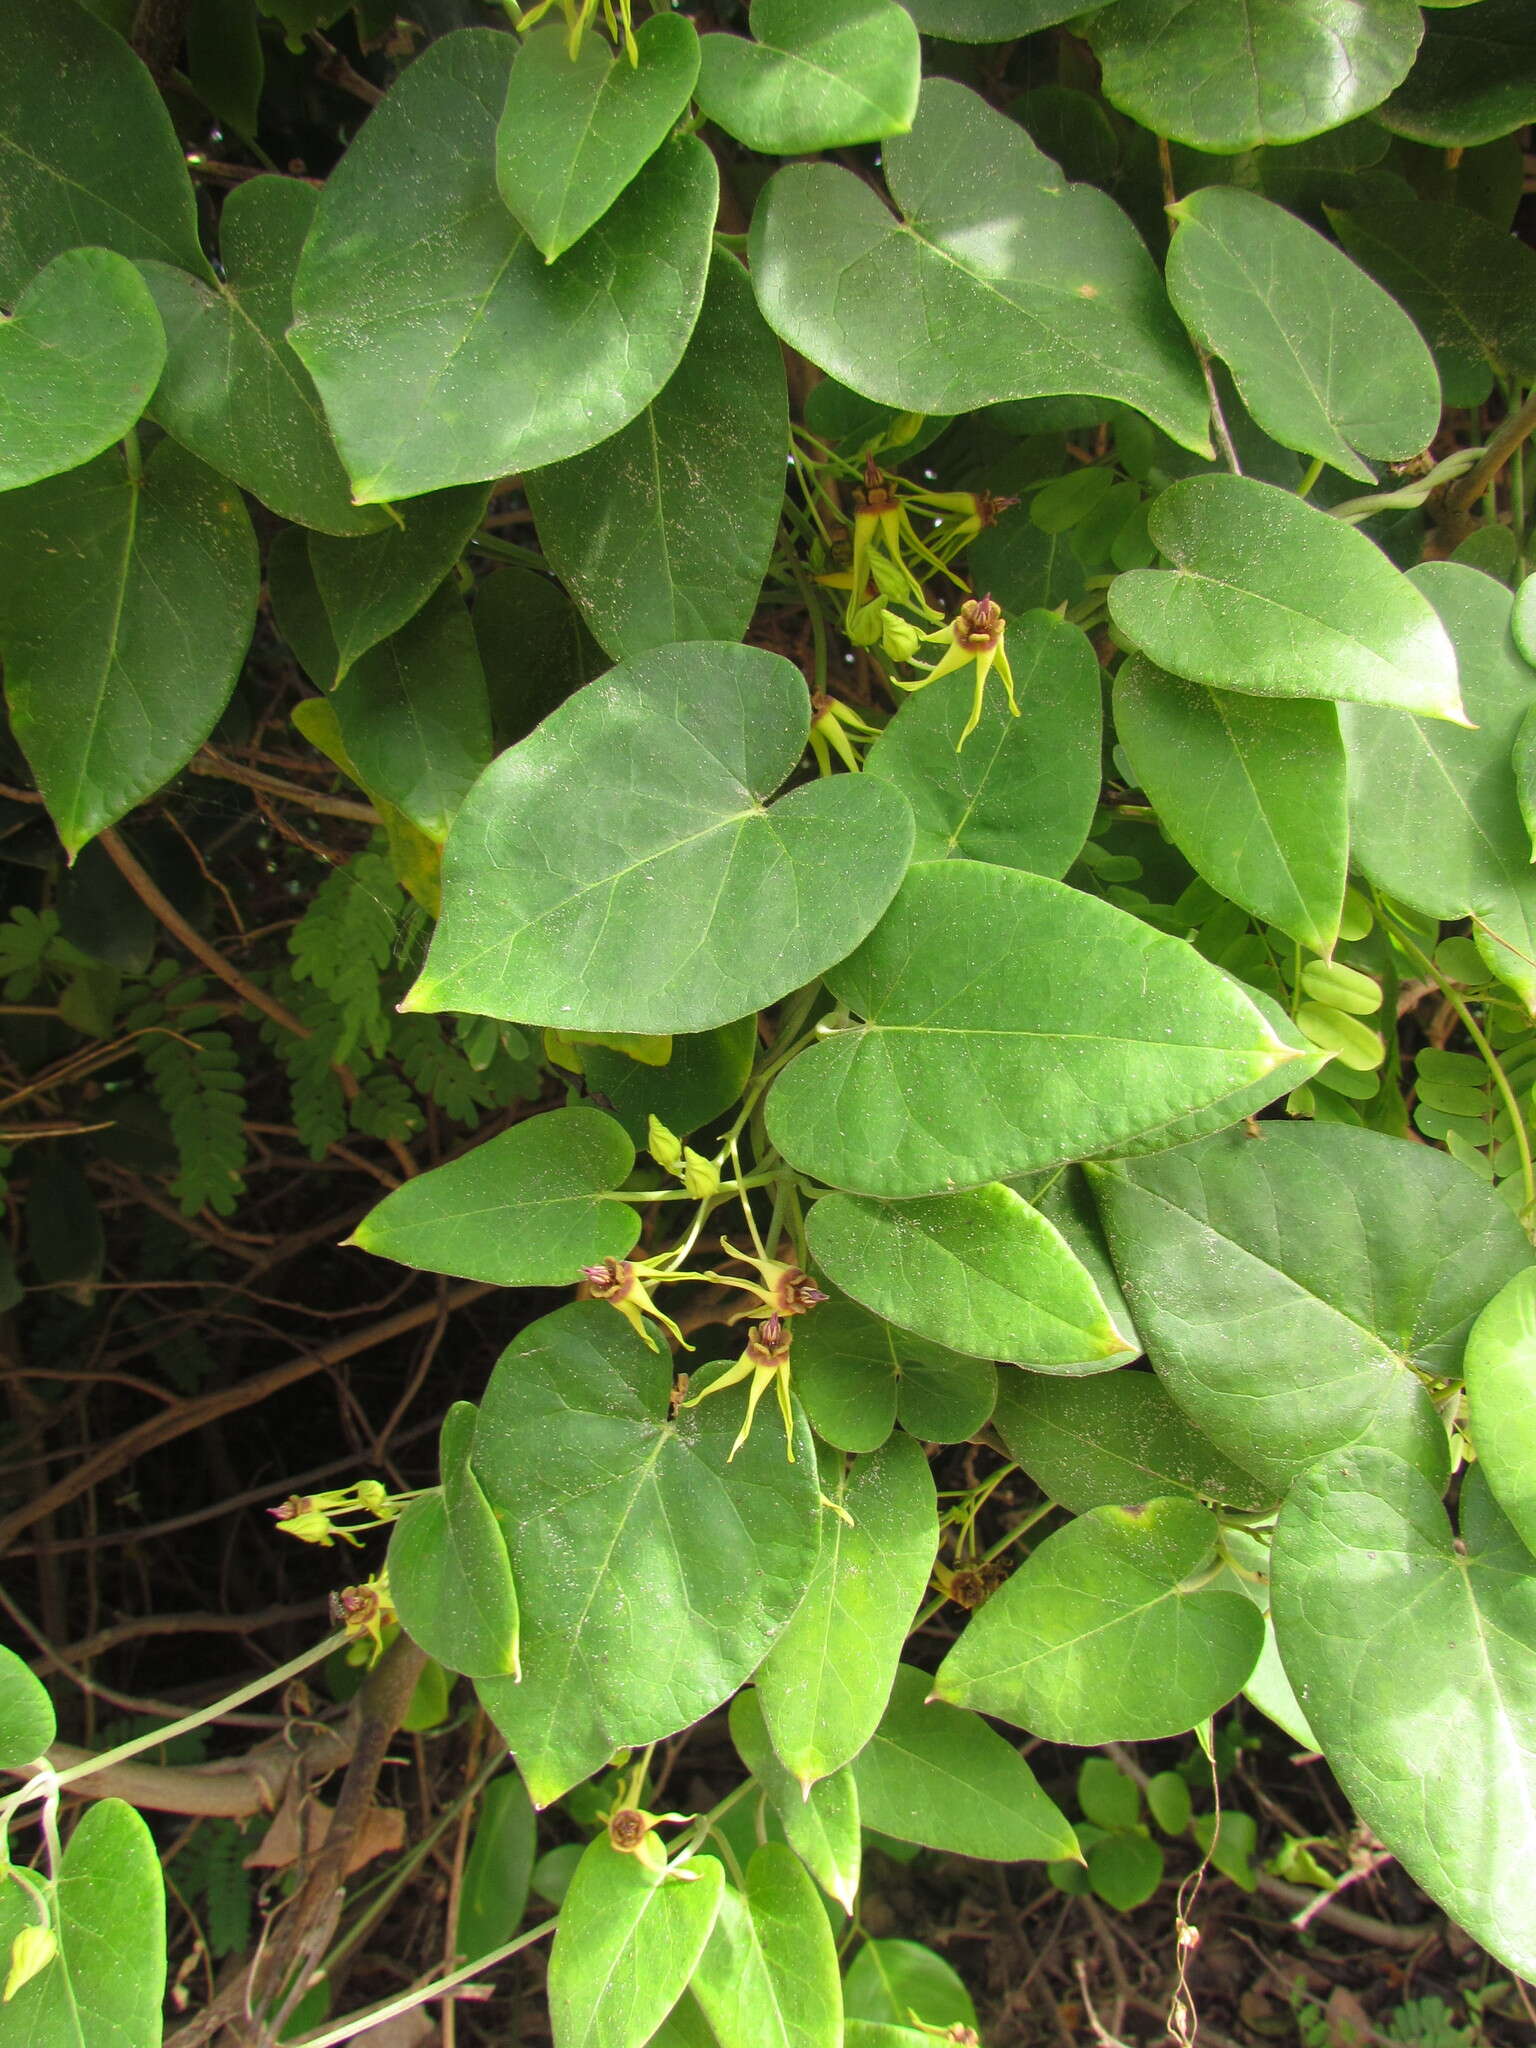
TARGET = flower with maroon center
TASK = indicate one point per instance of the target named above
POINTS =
(621, 1283)
(765, 1362)
(781, 1289)
(975, 634)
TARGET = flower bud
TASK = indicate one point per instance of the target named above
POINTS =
(701, 1177)
(31, 1952)
(862, 623)
(664, 1147)
(899, 638)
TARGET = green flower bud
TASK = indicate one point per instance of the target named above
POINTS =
(664, 1147)
(701, 1177)
(32, 1951)
(862, 624)
(899, 638)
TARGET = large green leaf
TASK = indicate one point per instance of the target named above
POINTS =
(1323, 359)
(126, 608)
(1501, 1398)
(1011, 1023)
(574, 132)
(1022, 791)
(1028, 285)
(528, 1208)
(79, 357)
(618, 871)
(857, 1374)
(1225, 75)
(233, 391)
(1107, 1633)
(936, 1775)
(27, 1725)
(1253, 792)
(1413, 1653)
(1292, 1288)
(627, 1942)
(415, 716)
(824, 1684)
(1475, 79)
(450, 1581)
(664, 532)
(817, 74)
(768, 1977)
(1435, 809)
(820, 1822)
(372, 586)
(982, 1272)
(1114, 1440)
(104, 1987)
(1469, 287)
(87, 150)
(1268, 595)
(653, 1576)
(445, 348)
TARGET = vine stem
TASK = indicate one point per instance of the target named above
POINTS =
(1509, 435)
(1218, 417)
(375, 2015)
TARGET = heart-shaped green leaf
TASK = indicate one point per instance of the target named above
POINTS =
(445, 348)
(1226, 75)
(126, 608)
(1433, 1748)
(936, 1775)
(107, 1982)
(981, 1272)
(663, 533)
(574, 132)
(79, 357)
(768, 1977)
(1323, 359)
(373, 586)
(88, 154)
(821, 1822)
(1475, 79)
(627, 1943)
(1112, 1441)
(529, 1208)
(1269, 596)
(1030, 285)
(1501, 1399)
(627, 1530)
(817, 74)
(619, 871)
(976, 1061)
(1435, 810)
(824, 1684)
(1107, 1633)
(1022, 791)
(27, 1724)
(234, 392)
(1292, 1288)
(1252, 791)
(449, 1577)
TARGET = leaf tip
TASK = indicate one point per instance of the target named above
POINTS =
(846, 1892)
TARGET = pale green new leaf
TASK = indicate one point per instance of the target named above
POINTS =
(104, 1987)
(663, 533)
(937, 1775)
(1226, 75)
(1435, 809)
(450, 1581)
(627, 1942)
(1013, 1023)
(620, 871)
(445, 348)
(1028, 286)
(1267, 595)
(27, 1725)
(1106, 1633)
(574, 132)
(981, 1272)
(1291, 1289)
(79, 356)
(1323, 359)
(126, 608)
(1500, 1369)
(88, 154)
(820, 1823)
(1252, 791)
(1021, 791)
(824, 1685)
(372, 586)
(817, 74)
(768, 1977)
(528, 1208)
(234, 392)
(1413, 1653)
(653, 1572)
